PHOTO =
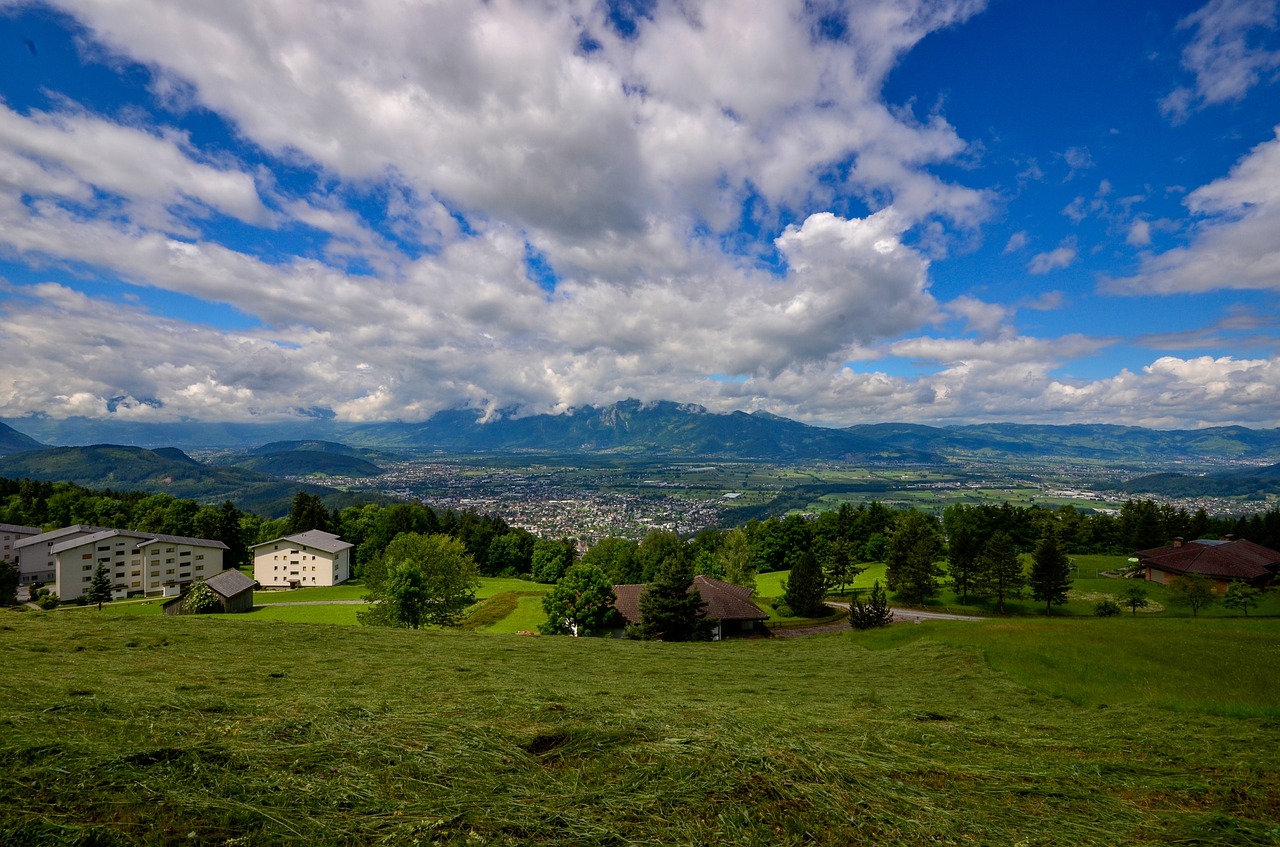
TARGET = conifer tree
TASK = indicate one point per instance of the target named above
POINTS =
(669, 611)
(913, 571)
(1050, 577)
(805, 587)
(100, 588)
(1000, 569)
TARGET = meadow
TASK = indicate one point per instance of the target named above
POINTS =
(240, 731)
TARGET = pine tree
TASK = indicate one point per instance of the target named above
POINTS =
(805, 587)
(873, 613)
(912, 559)
(669, 611)
(1000, 569)
(1050, 578)
(100, 588)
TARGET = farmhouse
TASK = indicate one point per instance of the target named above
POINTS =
(302, 560)
(728, 607)
(1222, 561)
(139, 562)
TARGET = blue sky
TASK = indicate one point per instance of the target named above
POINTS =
(937, 211)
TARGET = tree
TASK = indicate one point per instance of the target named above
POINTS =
(873, 613)
(1106, 609)
(838, 561)
(552, 559)
(1133, 596)
(805, 586)
(580, 604)
(617, 558)
(420, 580)
(1050, 577)
(657, 548)
(912, 557)
(8, 584)
(669, 610)
(1193, 591)
(964, 543)
(100, 588)
(736, 560)
(308, 512)
(1000, 569)
(1242, 596)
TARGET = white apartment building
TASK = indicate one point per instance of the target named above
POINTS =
(10, 535)
(35, 556)
(139, 562)
(302, 560)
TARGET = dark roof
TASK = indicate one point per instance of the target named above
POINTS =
(317, 538)
(722, 601)
(231, 582)
(141, 539)
(1216, 559)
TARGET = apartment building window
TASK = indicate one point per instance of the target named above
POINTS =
(155, 551)
(135, 584)
(155, 573)
(168, 549)
(86, 567)
(185, 553)
(169, 572)
(199, 555)
(199, 567)
(104, 547)
(169, 561)
(135, 573)
(86, 555)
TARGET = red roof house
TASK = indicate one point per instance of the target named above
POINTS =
(1222, 561)
(728, 607)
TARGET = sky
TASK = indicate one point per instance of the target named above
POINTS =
(937, 211)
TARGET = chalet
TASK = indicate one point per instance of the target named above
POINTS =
(728, 607)
(302, 560)
(1222, 561)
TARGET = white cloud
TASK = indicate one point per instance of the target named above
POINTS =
(1017, 241)
(1060, 257)
(1225, 61)
(986, 319)
(1236, 245)
(1139, 234)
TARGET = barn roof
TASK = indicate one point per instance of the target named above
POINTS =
(1225, 560)
(231, 582)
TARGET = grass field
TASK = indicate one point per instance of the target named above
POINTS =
(124, 730)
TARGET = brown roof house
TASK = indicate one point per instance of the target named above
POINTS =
(1222, 561)
(728, 607)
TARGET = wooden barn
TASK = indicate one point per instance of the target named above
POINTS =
(233, 589)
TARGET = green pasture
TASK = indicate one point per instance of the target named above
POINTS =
(154, 731)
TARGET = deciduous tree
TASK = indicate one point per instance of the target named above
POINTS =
(1193, 591)
(581, 603)
(1133, 596)
(423, 581)
(1241, 596)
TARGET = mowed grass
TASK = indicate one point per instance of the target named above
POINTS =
(123, 730)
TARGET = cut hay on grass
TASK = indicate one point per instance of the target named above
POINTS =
(232, 731)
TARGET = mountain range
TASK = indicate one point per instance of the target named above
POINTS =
(664, 428)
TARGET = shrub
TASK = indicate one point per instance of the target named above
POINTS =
(201, 600)
(873, 613)
(1106, 609)
(47, 600)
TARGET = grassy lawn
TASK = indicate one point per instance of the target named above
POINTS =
(527, 617)
(340, 615)
(491, 585)
(351, 590)
(124, 730)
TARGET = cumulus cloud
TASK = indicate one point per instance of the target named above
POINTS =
(1060, 257)
(1017, 241)
(1235, 244)
(1224, 54)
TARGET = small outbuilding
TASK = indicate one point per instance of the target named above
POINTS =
(233, 590)
(727, 607)
(1221, 560)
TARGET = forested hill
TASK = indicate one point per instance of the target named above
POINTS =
(167, 471)
(12, 441)
(1082, 441)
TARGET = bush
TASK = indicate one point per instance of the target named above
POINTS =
(201, 600)
(47, 600)
(783, 610)
(1106, 609)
